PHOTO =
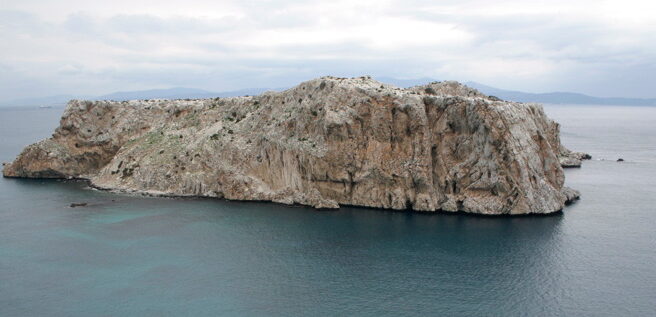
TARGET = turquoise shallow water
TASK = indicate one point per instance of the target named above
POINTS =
(139, 256)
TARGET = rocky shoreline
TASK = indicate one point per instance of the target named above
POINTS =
(325, 143)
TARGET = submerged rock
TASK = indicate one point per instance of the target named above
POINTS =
(325, 143)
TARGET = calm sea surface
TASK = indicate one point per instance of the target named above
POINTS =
(138, 256)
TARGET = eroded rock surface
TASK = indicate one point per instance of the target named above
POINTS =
(572, 159)
(327, 142)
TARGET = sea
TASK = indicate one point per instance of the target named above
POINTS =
(129, 255)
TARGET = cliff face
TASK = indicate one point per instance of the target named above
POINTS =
(327, 142)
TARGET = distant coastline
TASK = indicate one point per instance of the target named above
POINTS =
(193, 93)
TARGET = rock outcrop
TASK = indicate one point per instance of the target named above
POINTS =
(572, 159)
(325, 143)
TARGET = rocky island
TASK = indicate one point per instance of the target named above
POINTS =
(324, 143)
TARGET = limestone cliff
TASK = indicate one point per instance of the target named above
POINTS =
(327, 142)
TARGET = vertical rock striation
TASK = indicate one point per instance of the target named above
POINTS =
(327, 142)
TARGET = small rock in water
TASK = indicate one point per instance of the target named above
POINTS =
(620, 159)
(73, 205)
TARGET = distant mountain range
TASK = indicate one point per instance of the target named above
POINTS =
(178, 93)
(182, 93)
(550, 97)
(49, 101)
(171, 93)
(560, 97)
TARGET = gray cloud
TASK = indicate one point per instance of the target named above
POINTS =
(597, 48)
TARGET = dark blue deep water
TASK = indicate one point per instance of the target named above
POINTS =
(138, 256)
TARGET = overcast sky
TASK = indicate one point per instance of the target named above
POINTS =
(602, 48)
